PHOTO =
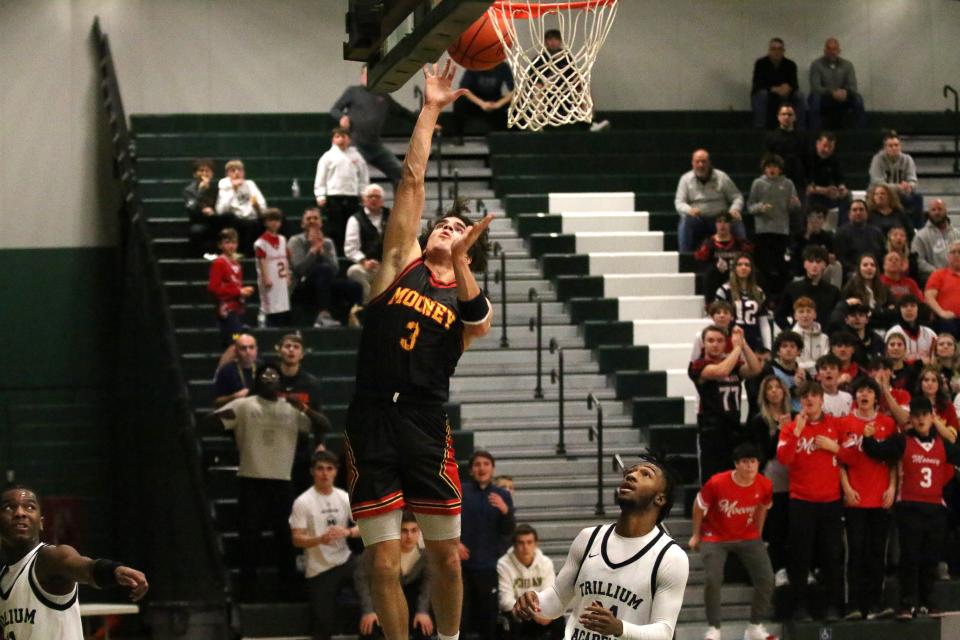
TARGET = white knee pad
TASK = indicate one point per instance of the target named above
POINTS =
(381, 528)
(436, 527)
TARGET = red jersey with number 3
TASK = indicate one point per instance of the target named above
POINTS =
(732, 508)
(924, 470)
(869, 477)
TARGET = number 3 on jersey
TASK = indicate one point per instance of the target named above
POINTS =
(408, 343)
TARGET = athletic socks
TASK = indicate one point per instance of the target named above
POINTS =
(455, 636)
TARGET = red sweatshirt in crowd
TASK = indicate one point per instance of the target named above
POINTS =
(868, 477)
(226, 280)
(814, 472)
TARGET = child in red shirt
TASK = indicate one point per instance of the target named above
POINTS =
(226, 285)
(808, 447)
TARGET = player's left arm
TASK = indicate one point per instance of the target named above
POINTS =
(61, 567)
(671, 583)
(476, 312)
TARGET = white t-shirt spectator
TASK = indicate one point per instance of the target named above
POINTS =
(266, 432)
(341, 173)
(316, 512)
(239, 201)
(837, 404)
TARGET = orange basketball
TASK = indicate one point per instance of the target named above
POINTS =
(478, 48)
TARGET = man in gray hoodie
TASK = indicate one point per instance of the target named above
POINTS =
(931, 242)
(833, 89)
(897, 170)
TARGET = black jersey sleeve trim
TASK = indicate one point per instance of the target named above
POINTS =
(44, 600)
(593, 536)
(656, 567)
(637, 556)
(392, 285)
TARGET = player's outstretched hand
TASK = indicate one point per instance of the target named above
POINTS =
(601, 620)
(527, 606)
(439, 90)
(133, 580)
(462, 245)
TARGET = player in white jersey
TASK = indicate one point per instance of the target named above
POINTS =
(273, 270)
(624, 579)
(38, 588)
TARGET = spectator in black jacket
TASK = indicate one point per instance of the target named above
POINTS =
(826, 185)
(363, 243)
(200, 201)
(488, 519)
(857, 238)
(812, 285)
(775, 83)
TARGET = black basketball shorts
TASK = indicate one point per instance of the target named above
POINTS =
(400, 455)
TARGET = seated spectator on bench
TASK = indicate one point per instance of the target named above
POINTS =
(363, 243)
(317, 283)
(524, 568)
(942, 293)
(236, 370)
(702, 193)
(833, 90)
(896, 280)
(320, 523)
(241, 202)
(885, 212)
(857, 238)
(487, 99)
(775, 83)
(933, 240)
(414, 580)
(200, 201)
(892, 167)
(791, 144)
(824, 295)
(717, 254)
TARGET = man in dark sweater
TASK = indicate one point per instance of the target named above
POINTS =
(857, 238)
(775, 83)
(826, 186)
(824, 295)
(364, 114)
(488, 520)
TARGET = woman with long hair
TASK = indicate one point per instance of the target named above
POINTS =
(946, 358)
(764, 430)
(865, 287)
(931, 385)
(748, 300)
(885, 211)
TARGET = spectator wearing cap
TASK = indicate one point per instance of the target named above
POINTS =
(320, 524)
(488, 519)
(942, 292)
(717, 254)
(824, 295)
(702, 193)
(920, 339)
(728, 517)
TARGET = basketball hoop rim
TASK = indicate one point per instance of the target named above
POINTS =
(520, 10)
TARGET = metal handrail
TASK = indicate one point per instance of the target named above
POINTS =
(947, 90)
(596, 432)
(618, 464)
(536, 324)
(556, 377)
(500, 277)
(456, 185)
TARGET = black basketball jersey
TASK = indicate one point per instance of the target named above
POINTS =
(412, 338)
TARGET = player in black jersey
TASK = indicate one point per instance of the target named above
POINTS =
(424, 310)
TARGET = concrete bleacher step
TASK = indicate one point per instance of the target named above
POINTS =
(620, 241)
(659, 307)
(647, 284)
(589, 202)
(632, 262)
(657, 331)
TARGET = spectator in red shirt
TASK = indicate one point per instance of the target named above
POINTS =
(869, 487)
(728, 517)
(943, 293)
(718, 376)
(226, 285)
(808, 448)
(895, 277)
(925, 453)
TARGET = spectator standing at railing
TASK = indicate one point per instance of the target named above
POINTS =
(225, 283)
(274, 277)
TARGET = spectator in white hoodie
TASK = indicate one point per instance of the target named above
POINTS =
(342, 175)
(524, 568)
(815, 342)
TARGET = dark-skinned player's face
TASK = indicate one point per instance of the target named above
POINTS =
(642, 485)
(20, 519)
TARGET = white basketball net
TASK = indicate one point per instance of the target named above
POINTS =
(551, 89)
